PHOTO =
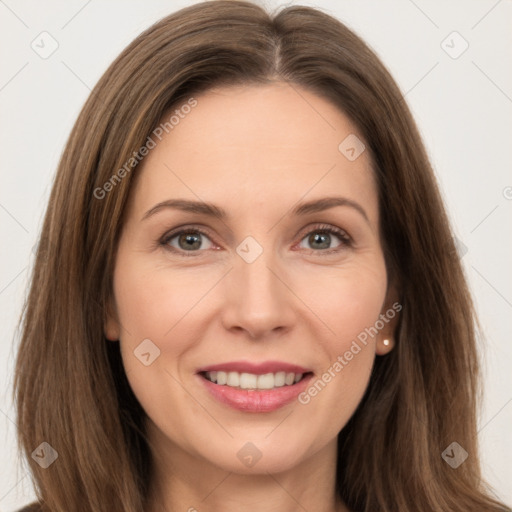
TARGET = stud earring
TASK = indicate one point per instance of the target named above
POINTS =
(386, 342)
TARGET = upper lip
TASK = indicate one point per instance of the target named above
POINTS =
(255, 368)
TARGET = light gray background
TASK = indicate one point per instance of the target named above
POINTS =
(463, 107)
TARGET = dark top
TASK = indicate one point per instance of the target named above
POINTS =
(33, 507)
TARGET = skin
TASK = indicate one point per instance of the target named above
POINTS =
(255, 151)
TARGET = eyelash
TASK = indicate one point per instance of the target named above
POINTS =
(345, 239)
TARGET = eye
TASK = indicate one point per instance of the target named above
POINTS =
(189, 240)
(192, 240)
(322, 236)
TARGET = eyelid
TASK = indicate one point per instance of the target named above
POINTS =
(341, 233)
(184, 229)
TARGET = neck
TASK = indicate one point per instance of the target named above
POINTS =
(182, 481)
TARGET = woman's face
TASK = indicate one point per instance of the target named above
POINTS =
(272, 287)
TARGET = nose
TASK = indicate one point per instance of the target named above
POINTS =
(258, 299)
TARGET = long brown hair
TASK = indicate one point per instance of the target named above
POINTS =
(70, 387)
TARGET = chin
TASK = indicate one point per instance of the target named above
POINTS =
(256, 457)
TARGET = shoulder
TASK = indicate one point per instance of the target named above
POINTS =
(33, 507)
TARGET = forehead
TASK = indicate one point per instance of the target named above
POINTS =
(265, 145)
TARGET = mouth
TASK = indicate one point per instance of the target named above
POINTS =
(250, 387)
(252, 381)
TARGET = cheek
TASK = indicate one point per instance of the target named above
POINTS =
(349, 300)
(152, 300)
(163, 305)
(152, 304)
(345, 299)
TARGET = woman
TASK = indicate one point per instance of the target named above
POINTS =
(186, 346)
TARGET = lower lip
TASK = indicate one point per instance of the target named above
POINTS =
(252, 400)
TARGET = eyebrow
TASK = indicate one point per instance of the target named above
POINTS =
(212, 210)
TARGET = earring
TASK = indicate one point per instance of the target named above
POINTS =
(386, 342)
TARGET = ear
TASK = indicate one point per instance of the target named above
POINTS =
(111, 324)
(386, 339)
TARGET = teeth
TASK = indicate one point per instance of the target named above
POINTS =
(266, 381)
(248, 381)
(233, 379)
(252, 381)
(279, 379)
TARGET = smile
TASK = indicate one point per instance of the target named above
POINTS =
(254, 387)
(253, 381)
